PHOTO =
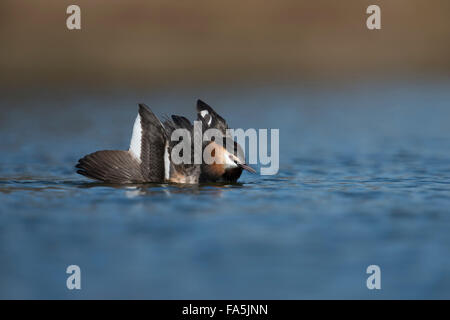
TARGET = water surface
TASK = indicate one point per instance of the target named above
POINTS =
(364, 179)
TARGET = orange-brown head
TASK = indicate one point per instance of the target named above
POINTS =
(223, 162)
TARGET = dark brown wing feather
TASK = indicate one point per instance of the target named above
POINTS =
(182, 122)
(112, 166)
(181, 172)
(152, 146)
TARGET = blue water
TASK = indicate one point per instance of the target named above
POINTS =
(364, 179)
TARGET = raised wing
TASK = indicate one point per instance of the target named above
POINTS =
(210, 118)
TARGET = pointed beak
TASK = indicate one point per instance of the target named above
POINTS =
(247, 167)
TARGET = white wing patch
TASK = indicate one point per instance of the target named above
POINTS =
(203, 113)
(136, 139)
(166, 163)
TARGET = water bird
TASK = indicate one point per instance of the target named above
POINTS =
(149, 157)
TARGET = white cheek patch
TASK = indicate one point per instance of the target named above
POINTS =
(228, 162)
(136, 139)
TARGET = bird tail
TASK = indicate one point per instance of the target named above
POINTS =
(111, 166)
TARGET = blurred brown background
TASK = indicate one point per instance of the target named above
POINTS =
(159, 42)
